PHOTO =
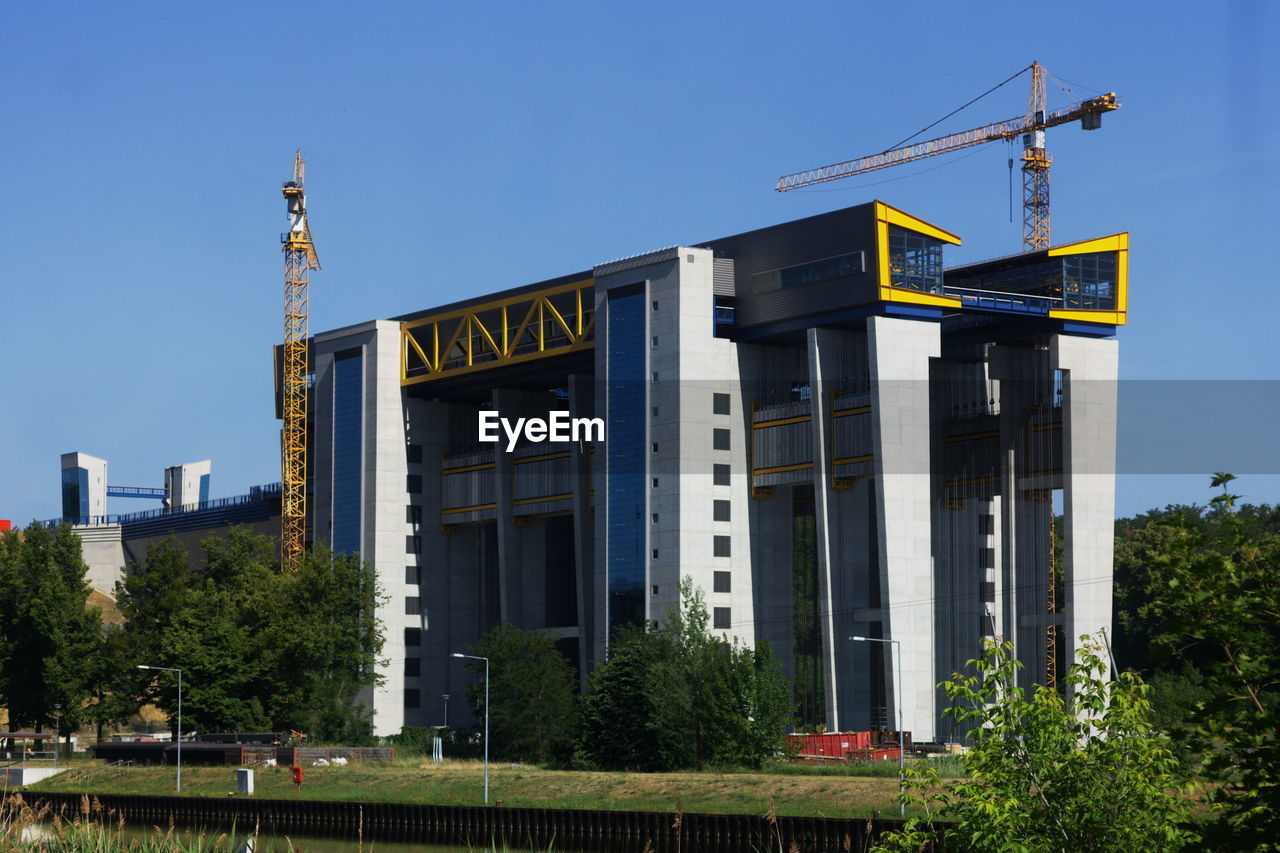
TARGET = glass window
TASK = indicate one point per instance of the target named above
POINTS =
(413, 484)
(413, 544)
(348, 392)
(412, 698)
(986, 524)
(720, 510)
(915, 261)
(412, 605)
(413, 666)
(720, 439)
(413, 514)
(719, 404)
(625, 461)
(720, 475)
(720, 582)
(414, 454)
(809, 273)
(413, 636)
(412, 574)
(1088, 281)
(721, 619)
(720, 546)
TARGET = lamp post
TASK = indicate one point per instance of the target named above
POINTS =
(486, 718)
(57, 731)
(174, 669)
(445, 697)
(902, 746)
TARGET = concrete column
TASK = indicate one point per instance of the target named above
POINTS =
(519, 568)
(582, 404)
(899, 353)
(1091, 368)
(823, 345)
(385, 498)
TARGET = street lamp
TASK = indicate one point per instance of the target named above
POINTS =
(486, 718)
(174, 669)
(57, 731)
(902, 746)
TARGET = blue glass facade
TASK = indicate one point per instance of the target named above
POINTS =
(204, 488)
(626, 459)
(75, 495)
(348, 400)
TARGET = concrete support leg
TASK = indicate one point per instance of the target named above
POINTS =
(1089, 486)
(899, 352)
(582, 404)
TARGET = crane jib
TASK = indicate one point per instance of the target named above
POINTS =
(1008, 129)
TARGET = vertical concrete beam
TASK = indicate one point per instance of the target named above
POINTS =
(1091, 368)
(899, 353)
(385, 498)
(582, 405)
(823, 346)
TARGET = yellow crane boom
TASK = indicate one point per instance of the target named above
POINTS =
(1036, 161)
(299, 258)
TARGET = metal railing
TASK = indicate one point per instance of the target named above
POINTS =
(256, 495)
(999, 300)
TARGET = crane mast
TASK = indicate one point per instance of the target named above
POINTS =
(1035, 168)
(299, 259)
(1035, 157)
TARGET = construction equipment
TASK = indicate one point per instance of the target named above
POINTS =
(299, 259)
(1035, 159)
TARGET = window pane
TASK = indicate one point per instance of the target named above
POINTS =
(720, 582)
(720, 512)
(720, 439)
(720, 546)
(720, 618)
(720, 475)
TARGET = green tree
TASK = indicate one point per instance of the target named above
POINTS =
(677, 697)
(48, 635)
(258, 648)
(532, 708)
(1050, 774)
(1219, 604)
(635, 715)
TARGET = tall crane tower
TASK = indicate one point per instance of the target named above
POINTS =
(1035, 158)
(299, 259)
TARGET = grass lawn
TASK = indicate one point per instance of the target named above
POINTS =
(461, 783)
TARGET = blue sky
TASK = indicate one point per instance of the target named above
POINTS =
(459, 148)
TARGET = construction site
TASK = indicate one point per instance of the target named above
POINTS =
(856, 451)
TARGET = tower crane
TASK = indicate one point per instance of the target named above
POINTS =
(299, 259)
(1035, 158)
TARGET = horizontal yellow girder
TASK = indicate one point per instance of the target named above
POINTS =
(500, 333)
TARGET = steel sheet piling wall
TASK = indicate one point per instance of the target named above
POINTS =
(538, 828)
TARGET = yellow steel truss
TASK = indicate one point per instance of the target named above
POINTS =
(299, 259)
(531, 326)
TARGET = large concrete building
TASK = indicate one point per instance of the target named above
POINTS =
(820, 426)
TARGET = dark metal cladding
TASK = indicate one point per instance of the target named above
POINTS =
(828, 235)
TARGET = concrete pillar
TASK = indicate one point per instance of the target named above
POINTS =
(582, 404)
(823, 345)
(1091, 368)
(899, 353)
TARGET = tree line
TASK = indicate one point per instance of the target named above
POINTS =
(669, 696)
(259, 649)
